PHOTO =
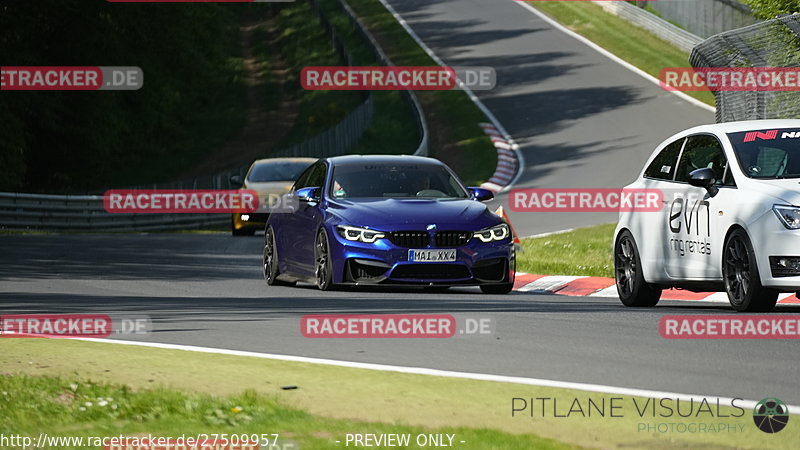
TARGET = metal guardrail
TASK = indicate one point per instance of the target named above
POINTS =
(86, 212)
(656, 25)
(705, 18)
(337, 139)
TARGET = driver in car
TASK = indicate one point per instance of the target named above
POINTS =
(419, 185)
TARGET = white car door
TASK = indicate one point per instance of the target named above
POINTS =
(694, 218)
(648, 227)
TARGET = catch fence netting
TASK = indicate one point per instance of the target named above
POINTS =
(772, 43)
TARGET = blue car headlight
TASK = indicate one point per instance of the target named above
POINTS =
(359, 234)
(495, 233)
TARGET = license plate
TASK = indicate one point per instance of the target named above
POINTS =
(432, 255)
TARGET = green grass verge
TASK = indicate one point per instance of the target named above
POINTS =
(635, 45)
(584, 251)
(78, 407)
(164, 391)
(453, 119)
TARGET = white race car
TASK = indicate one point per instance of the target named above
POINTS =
(730, 219)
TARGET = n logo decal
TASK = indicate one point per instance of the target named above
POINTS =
(751, 136)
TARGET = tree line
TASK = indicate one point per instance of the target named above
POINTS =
(72, 141)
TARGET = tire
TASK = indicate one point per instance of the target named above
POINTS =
(322, 262)
(270, 260)
(633, 290)
(242, 231)
(740, 273)
(504, 288)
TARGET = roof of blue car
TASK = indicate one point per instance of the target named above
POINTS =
(372, 159)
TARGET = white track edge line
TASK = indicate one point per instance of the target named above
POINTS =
(550, 233)
(466, 90)
(610, 55)
(793, 409)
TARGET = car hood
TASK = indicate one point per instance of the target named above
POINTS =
(389, 214)
(786, 190)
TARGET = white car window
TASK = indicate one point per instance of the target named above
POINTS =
(771, 161)
(663, 166)
(701, 152)
(768, 154)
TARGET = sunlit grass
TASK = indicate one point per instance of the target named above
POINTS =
(584, 251)
(635, 45)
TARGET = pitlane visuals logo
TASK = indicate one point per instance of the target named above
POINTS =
(771, 415)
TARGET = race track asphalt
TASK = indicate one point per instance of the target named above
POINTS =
(207, 290)
(581, 119)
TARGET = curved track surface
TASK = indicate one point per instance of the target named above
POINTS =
(207, 290)
(580, 119)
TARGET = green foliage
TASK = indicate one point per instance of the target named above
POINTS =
(303, 42)
(193, 98)
(769, 9)
(51, 403)
(68, 141)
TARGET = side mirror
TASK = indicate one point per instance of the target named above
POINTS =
(481, 194)
(706, 179)
(236, 181)
(308, 195)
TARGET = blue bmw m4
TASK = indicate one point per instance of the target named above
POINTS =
(388, 220)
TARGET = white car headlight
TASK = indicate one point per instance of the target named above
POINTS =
(495, 233)
(788, 215)
(359, 234)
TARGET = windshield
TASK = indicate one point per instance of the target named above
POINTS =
(276, 171)
(768, 154)
(395, 181)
